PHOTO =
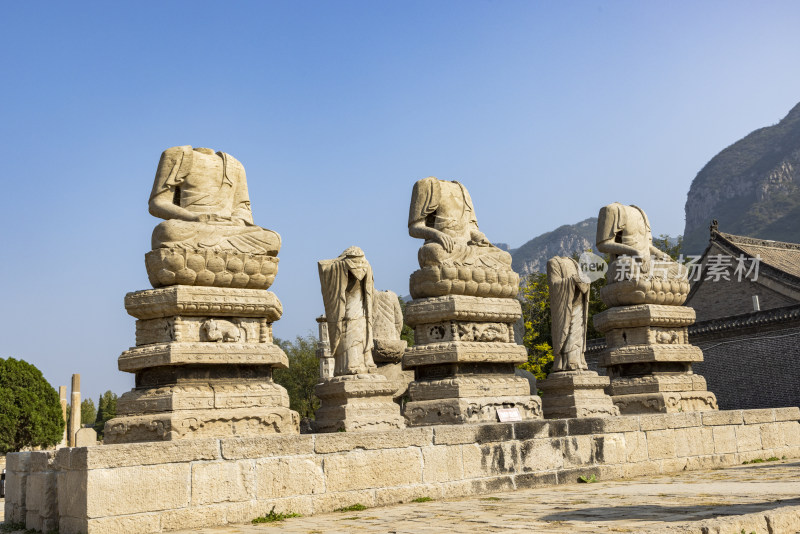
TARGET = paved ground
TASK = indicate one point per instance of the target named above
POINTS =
(754, 498)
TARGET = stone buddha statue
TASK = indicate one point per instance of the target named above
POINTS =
(208, 236)
(651, 275)
(442, 214)
(203, 197)
(456, 257)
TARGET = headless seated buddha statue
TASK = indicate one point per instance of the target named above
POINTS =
(442, 214)
(624, 233)
(203, 197)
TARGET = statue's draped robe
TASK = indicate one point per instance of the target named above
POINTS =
(348, 309)
(630, 226)
(425, 205)
(569, 309)
(200, 188)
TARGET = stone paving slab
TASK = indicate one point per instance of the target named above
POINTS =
(754, 498)
(723, 500)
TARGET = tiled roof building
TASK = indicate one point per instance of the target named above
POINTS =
(775, 280)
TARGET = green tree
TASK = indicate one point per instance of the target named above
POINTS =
(302, 375)
(535, 299)
(407, 332)
(88, 412)
(673, 248)
(106, 409)
(30, 410)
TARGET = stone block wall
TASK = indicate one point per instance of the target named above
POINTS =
(749, 360)
(156, 487)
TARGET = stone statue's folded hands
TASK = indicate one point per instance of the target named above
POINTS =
(479, 238)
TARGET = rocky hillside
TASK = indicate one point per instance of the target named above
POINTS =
(563, 241)
(751, 188)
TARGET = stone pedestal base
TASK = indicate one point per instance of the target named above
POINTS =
(464, 360)
(203, 363)
(473, 410)
(666, 402)
(357, 403)
(570, 394)
(649, 360)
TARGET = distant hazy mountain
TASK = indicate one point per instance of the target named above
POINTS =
(751, 188)
(563, 241)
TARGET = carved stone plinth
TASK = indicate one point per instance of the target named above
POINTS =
(360, 402)
(569, 394)
(649, 359)
(463, 359)
(203, 363)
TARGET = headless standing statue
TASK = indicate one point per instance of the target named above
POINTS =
(571, 389)
(356, 397)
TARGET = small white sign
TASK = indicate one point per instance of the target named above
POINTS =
(507, 415)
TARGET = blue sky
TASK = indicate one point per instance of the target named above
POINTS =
(545, 110)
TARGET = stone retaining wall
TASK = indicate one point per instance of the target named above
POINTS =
(156, 487)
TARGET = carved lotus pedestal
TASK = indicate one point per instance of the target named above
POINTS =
(463, 360)
(649, 360)
(203, 363)
(360, 402)
(569, 394)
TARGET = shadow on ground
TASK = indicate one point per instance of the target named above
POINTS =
(656, 512)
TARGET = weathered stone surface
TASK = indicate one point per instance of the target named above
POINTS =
(368, 469)
(643, 315)
(469, 409)
(660, 444)
(542, 429)
(334, 500)
(204, 353)
(132, 524)
(636, 447)
(216, 482)
(131, 454)
(541, 455)
(766, 415)
(194, 301)
(602, 425)
(188, 424)
(290, 476)
(578, 450)
(791, 413)
(195, 517)
(462, 308)
(86, 437)
(569, 395)
(748, 438)
(666, 402)
(355, 403)
(259, 447)
(463, 351)
(442, 464)
(387, 496)
(454, 435)
(724, 439)
(727, 417)
(490, 459)
(105, 497)
(72, 492)
(391, 439)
